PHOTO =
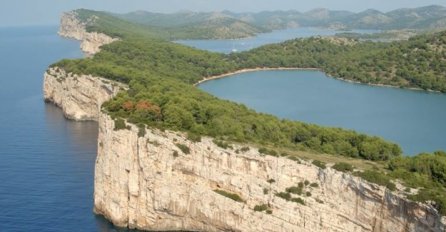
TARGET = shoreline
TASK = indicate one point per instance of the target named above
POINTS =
(246, 70)
(206, 79)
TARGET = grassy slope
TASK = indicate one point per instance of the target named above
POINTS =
(160, 75)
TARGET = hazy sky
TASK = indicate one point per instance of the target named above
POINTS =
(38, 12)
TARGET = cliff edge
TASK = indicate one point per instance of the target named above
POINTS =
(79, 96)
(91, 42)
(152, 182)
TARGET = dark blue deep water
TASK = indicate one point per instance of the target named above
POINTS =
(414, 119)
(46, 162)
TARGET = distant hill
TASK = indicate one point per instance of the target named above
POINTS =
(226, 24)
(230, 25)
(196, 25)
(429, 17)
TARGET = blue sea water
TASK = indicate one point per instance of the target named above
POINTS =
(46, 161)
(414, 119)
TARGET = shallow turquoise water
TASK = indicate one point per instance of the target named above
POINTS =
(414, 119)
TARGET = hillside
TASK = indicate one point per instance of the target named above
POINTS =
(416, 63)
(422, 18)
(230, 25)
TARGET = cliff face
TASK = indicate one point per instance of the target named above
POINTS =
(91, 42)
(79, 96)
(149, 183)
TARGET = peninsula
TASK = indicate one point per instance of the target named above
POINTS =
(171, 157)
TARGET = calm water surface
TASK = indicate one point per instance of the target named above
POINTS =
(416, 120)
(228, 45)
(46, 162)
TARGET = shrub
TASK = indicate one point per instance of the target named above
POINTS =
(229, 195)
(268, 152)
(294, 190)
(301, 185)
(244, 149)
(284, 195)
(120, 124)
(185, 149)
(284, 154)
(377, 178)
(294, 158)
(319, 164)
(271, 181)
(194, 137)
(263, 150)
(306, 182)
(175, 154)
(265, 191)
(314, 185)
(260, 208)
(269, 211)
(343, 167)
(308, 194)
(298, 200)
(141, 130)
(222, 144)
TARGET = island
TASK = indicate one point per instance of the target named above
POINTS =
(171, 157)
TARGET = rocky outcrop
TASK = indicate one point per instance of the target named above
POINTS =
(79, 96)
(72, 27)
(149, 183)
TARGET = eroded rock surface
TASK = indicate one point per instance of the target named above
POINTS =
(79, 96)
(91, 42)
(148, 183)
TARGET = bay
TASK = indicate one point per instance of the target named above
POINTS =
(413, 119)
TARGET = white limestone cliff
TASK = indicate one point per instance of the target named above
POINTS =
(148, 183)
(79, 96)
(91, 42)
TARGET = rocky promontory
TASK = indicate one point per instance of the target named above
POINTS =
(79, 96)
(149, 179)
(72, 27)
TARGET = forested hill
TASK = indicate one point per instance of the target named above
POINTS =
(230, 25)
(160, 75)
(169, 27)
(416, 63)
(428, 17)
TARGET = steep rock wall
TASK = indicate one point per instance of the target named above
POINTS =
(79, 96)
(72, 27)
(148, 183)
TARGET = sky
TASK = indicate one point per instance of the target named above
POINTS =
(47, 12)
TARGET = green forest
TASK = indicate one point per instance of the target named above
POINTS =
(161, 75)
